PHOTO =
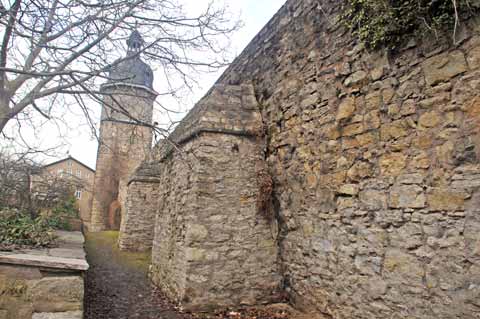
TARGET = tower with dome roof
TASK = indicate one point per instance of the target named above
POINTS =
(125, 135)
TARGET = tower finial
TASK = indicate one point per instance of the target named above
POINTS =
(135, 41)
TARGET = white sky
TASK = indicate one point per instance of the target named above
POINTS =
(77, 138)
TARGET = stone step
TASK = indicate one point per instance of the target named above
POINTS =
(44, 261)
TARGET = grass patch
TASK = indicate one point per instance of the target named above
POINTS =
(135, 260)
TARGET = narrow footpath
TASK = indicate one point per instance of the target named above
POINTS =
(117, 287)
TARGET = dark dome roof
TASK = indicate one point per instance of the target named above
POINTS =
(132, 70)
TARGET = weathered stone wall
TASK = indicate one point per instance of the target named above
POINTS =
(123, 146)
(374, 158)
(138, 223)
(44, 283)
(176, 199)
(375, 163)
(211, 246)
(28, 293)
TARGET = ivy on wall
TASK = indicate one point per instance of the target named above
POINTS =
(390, 23)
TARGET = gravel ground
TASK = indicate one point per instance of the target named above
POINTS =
(117, 287)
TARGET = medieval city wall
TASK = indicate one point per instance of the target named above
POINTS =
(176, 200)
(374, 158)
(140, 210)
(375, 164)
(211, 247)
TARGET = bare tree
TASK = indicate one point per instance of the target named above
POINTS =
(63, 47)
(26, 185)
(15, 172)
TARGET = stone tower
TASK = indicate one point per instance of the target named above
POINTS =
(125, 138)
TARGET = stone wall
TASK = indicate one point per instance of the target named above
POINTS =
(44, 284)
(141, 204)
(374, 158)
(211, 247)
(123, 146)
(375, 162)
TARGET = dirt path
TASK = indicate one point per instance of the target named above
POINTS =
(117, 286)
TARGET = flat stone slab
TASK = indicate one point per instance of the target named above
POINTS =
(58, 315)
(70, 254)
(38, 251)
(76, 253)
(70, 237)
(44, 261)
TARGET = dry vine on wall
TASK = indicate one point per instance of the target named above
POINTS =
(264, 202)
(390, 24)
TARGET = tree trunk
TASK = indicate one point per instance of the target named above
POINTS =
(4, 113)
(3, 122)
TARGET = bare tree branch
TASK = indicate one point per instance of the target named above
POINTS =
(56, 47)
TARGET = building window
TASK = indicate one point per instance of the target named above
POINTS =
(78, 194)
(60, 171)
(69, 171)
(79, 173)
(69, 164)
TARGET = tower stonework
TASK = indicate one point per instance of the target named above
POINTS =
(125, 135)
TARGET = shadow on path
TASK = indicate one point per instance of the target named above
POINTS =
(117, 286)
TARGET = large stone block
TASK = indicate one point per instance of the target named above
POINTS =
(393, 130)
(19, 272)
(346, 108)
(373, 199)
(402, 266)
(429, 119)
(443, 67)
(407, 196)
(445, 199)
(473, 58)
(56, 294)
(393, 164)
(356, 79)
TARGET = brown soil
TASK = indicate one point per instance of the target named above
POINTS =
(117, 287)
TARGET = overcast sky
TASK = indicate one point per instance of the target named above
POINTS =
(76, 138)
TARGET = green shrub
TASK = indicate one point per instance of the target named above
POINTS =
(59, 216)
(390, 23)
(58, 222)
(18, 228)
(67, 208)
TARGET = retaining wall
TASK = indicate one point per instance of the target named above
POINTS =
(44, 283)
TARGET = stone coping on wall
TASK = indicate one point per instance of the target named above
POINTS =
(225, 109)
(69, 255)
